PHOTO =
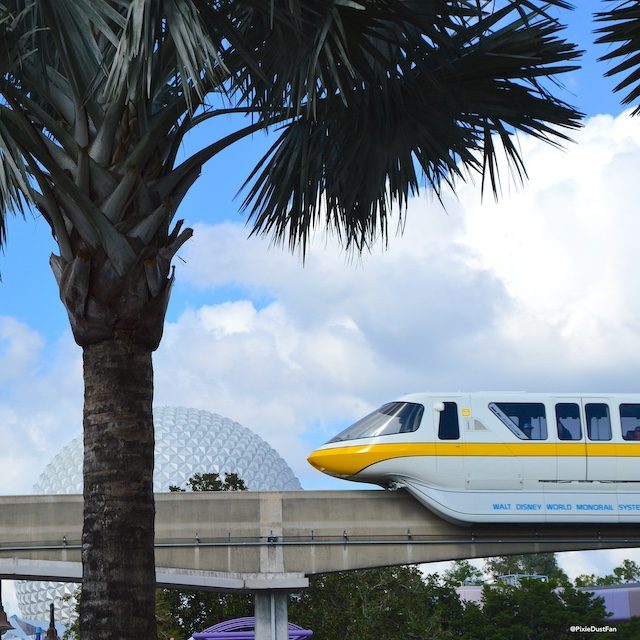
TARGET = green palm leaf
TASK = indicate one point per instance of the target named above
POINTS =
(621, 31)
(394, 93)
(370, 136)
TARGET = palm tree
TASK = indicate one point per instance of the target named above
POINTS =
(366, 98)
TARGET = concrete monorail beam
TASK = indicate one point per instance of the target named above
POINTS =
(273, 539)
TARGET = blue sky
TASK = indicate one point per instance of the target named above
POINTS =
(529, 293)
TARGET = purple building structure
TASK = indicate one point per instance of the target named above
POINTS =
(622, 601)
(244, 629)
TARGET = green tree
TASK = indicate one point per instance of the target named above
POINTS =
(181, 613)
(626, 629)
(535, 610)
(544, 564)
(212, 482)
(628, 571)
(377, 604)
(400, 604)
(96, 97)
(586, 580)
(462, 571)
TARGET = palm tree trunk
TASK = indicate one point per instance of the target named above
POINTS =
(118, 590)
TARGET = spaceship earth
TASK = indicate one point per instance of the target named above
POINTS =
(188, 441)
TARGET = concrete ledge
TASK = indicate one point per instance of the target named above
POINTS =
(60, 571)
(55, 570)
(220, 581)
(200, 580)
(285, 581)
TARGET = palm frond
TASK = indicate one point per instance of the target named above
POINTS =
(370, 144)
(78, 57)
(15, 190)
(168, 29)
(621, 31)
(376, 98)
(298, 50)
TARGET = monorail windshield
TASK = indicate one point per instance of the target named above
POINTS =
(395, 417)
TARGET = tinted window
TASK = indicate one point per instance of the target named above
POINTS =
(395, 417)
(568, 419)
(630, 421)
(527, 420)
(448, 428)
(598, 422)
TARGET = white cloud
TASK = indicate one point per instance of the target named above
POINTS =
(40, 409)
(565, 249)
(263, 369)
(536, 291)
(336, 338)
(20, 348)
(40, 402)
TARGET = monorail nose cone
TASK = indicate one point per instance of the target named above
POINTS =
(335, 462)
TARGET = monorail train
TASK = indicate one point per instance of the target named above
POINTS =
(500, 457)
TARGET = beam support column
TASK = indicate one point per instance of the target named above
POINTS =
(271, 604)
(271, 615)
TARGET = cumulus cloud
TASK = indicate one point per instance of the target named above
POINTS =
(565, 250)
(333, 338)
(19, 348)
(536, 291)
(40, 402)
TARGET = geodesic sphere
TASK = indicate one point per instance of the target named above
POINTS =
(188, 441)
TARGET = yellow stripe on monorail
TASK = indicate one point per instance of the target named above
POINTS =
(541, 449)
(349, 460)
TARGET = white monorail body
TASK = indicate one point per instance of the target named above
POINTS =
(500, 457)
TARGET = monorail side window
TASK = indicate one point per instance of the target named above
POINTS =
(527, 420)
(598, 421)
(568, 419)
(449, 428)
(630, 421)
(395, 417)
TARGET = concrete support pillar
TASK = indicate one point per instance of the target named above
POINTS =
(271, 615)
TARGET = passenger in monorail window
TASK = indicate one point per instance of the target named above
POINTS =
(630, 421)
(526, 420)
(598, 422)
(568, 420)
